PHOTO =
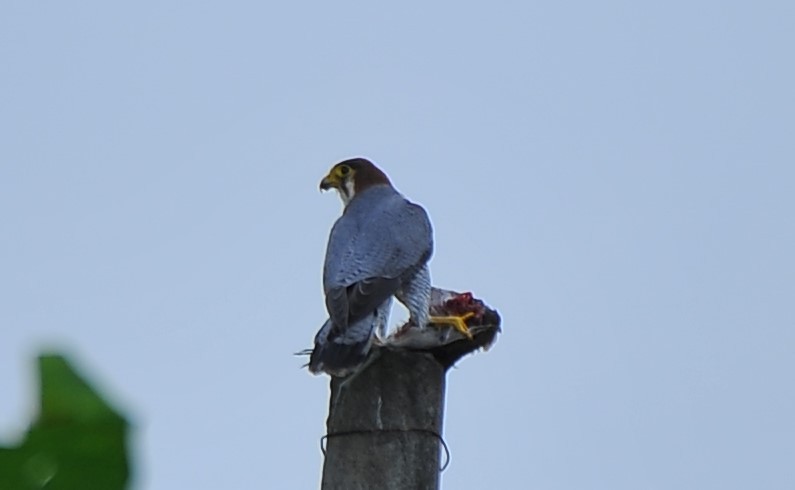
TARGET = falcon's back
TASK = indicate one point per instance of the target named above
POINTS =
(380, 234)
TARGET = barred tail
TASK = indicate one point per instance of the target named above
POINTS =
(340, 354)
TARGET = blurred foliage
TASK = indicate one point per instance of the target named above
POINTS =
(77, 442)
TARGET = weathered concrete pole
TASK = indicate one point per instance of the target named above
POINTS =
(384, 425)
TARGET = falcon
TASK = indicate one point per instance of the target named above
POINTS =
(378, 249)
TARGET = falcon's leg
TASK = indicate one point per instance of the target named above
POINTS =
(415, 293)
(457, 322)
(381, 320)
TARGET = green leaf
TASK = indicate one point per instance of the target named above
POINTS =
(77, 443)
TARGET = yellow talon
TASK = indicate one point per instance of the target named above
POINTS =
(457, 322)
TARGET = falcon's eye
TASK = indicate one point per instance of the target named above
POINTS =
(344, 170)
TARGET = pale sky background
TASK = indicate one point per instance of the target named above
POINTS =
(615, 177)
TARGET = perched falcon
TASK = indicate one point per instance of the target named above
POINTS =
(377, 249)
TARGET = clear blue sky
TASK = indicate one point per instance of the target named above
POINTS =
(616, 178)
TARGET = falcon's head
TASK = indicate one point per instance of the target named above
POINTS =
(353, 176)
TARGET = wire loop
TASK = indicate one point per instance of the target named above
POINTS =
(325, 438)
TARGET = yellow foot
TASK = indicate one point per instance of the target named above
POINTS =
(457, 322)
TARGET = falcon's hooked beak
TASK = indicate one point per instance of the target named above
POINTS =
(341, 178)
(330, 181)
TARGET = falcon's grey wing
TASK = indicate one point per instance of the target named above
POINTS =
(350, 304)
(380, 240)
